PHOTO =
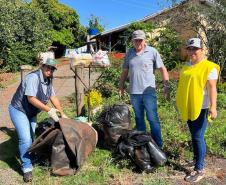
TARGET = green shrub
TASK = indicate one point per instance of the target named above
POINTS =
(109, 82)
(215, 135)
(24, 32)
(221, 100)
(221, 87)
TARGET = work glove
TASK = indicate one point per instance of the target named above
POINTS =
(53, 114)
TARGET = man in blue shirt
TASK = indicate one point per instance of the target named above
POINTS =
(31, 97)
(140, 63)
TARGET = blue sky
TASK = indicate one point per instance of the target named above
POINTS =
(114, 13)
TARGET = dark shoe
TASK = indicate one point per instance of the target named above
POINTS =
(27, 177)
(194, 176)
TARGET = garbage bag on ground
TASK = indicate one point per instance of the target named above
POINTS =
(113, 122)
(43, 126)
(143, 160)
(66, 145)
(141, 149)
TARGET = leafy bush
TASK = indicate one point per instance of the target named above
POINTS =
(221, 100)
(109, 81)
(215, 135)
(24, 32)
(168, 46)
(221, 87)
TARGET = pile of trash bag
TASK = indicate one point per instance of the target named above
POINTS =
(43, 126)
(66, 145)
(139, 147)
(112, 123)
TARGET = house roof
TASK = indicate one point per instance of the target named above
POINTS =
(148, 17)
(122, 27)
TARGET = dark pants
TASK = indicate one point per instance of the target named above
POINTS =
(197, 129)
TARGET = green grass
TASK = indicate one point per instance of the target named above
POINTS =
(100, 167)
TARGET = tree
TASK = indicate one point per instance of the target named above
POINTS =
(66, 27)
(214, 29)
(94, 22)
(24, 32)
(168, 46)
(207, 20)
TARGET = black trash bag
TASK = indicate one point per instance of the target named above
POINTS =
(43, 126)
(114, 121)
(158, 157)
(141, 149)
(60, 162)
(143, 160)
(66, 144)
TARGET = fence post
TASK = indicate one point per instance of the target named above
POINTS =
(79, 90)
(24, 69)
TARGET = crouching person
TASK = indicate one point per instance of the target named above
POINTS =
(31, 97)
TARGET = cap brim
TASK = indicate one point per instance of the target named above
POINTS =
(193, 46)
(51, 66)
(138, 38)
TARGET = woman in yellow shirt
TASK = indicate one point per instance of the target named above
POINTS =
(196, 99)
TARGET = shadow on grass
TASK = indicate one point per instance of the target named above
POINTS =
(9, 150)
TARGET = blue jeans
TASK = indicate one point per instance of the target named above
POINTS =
(25, 129)
(147, 102)
(197, 129)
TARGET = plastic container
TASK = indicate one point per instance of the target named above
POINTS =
(92, 31)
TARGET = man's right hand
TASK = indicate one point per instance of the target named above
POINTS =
(121, 92)
(53, 114)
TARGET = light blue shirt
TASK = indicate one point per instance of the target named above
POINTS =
(31, 82)
(141, 69)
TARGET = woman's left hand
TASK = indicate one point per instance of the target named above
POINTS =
(213, 113)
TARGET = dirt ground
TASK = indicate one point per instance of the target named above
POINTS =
(5, 78)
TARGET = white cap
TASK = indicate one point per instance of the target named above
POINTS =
(194, 42)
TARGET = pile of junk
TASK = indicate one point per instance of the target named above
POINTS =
(66, 144)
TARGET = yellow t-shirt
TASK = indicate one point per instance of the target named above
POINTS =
(189, 96)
